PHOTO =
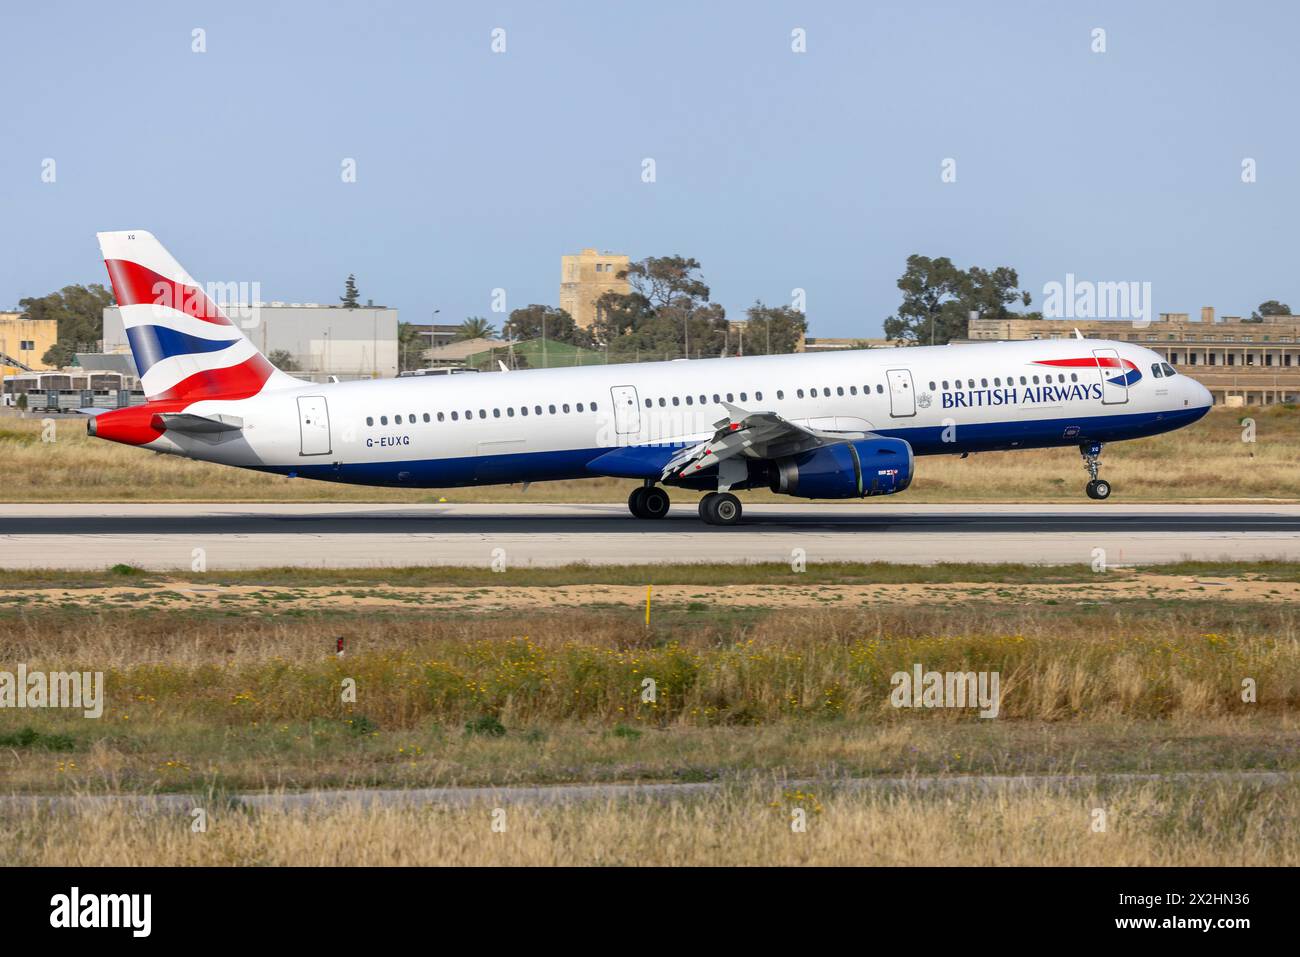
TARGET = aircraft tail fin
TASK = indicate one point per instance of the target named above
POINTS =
(184, 346)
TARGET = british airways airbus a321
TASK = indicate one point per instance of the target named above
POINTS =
(837, 426)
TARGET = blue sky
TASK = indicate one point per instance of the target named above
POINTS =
(776, 170)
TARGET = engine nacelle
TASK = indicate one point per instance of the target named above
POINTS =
(846, 470)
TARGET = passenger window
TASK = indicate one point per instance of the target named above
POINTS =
(579, 406)
(510, 411)
(690, 400)
(715, 397)
(730, 397)
(383, 420)
(800, 393)
(984, 383)
(551, 409)
(649, 403)
(996, 382)
(839, 390)
(1074, 377)
(780, 393)
(758, 397)
(443, 418)
(676, 401)
(426, 416)
(1022, 381)
(537, 410)
(813, 392)
(370, 420)
(1035, 380)
(565, 407)
(945, 384)
(397, 420)
(592, 406)
(855, 390)
(523, 410)
(455, 417)
(496, 413)
(744, 397)
(879, 387)
(662, 403)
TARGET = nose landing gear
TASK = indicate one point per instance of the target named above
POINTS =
(1098, 488)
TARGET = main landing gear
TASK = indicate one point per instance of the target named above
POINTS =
(649, 501)
(1098, 488)
(716, 508)
(720, 508)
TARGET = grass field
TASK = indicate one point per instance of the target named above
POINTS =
(1220, 823)
(1208, 461)
(229, 683)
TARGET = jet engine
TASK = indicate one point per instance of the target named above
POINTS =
(846, 470)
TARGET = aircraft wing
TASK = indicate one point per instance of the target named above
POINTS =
(755, 435)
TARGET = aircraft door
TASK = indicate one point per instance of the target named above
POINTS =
(902, 397)
(1114, 378)
(627, 411)
(314, 425)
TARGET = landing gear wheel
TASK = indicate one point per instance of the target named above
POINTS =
(635, 502)
(654, 503)
(720, 508)
(1098, 489)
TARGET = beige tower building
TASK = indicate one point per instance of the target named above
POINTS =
(586, 277)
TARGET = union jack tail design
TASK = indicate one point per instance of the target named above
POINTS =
(185, 348)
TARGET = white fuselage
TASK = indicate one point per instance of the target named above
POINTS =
(533, 425)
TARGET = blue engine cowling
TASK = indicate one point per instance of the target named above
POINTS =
(846, 470)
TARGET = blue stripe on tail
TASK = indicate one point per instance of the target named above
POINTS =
(152, 344)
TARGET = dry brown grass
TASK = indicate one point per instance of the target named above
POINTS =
(1211, 823)
(1206, 461)
(245, 697)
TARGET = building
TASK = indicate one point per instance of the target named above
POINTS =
(1239, 361)
(318, 341)
(586, 277)
(434, 334)
(24, 341)
(823, 344)
(454, 355)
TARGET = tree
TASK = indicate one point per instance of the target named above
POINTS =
(351, 299)
(666, 313)
(537, 322)
(938, 299)
(79, 312)
(410, 347)
(283, 360)
(774, 330)
(1270, 308)
(475, 327)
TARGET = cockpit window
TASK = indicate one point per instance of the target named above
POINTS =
(1169, 370)
(1157, 370)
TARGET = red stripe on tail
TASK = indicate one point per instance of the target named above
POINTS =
(136, 285)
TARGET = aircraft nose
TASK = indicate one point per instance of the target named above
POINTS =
(1201, 397)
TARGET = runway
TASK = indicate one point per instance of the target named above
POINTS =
(166, 536)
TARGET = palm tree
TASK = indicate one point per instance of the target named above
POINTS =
(476, 327)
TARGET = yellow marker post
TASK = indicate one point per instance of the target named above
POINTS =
(647, 604)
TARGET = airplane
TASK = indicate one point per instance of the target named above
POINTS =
(841, 425)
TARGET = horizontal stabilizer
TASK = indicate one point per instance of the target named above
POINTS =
(189, 424)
